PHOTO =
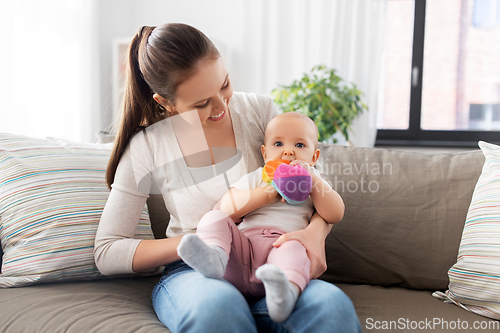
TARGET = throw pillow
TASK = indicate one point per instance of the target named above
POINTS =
(475, 278)
(52, 194)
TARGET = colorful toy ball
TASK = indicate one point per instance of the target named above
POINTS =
(292, 182)
(269, 169)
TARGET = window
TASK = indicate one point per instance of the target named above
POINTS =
(442, 74)
(486, 14)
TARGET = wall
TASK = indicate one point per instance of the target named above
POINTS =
(221, 20)
(115, 17)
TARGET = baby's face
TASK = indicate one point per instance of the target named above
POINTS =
(290, 138)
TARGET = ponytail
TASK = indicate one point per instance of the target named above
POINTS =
(159, 59)
(139, 109)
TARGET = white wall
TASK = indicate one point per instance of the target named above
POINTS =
(115, 17)
(222, 21)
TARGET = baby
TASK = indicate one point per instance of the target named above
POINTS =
(243, 254)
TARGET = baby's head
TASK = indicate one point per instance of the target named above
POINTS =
(291, 136)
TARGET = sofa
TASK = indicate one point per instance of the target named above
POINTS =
(404, 218)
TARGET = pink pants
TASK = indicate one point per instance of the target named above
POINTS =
(251, 248)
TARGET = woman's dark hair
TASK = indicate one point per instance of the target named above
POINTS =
(159, 59)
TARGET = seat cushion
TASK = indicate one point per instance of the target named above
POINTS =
(392, 309)
(119, 305)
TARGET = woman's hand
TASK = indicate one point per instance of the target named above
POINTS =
(313, 239)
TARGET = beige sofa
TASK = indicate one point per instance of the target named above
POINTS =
(400, 234)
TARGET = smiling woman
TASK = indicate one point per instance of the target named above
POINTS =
(49, 85)
(179, 106)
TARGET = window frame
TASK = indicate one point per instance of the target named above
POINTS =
(415, 135)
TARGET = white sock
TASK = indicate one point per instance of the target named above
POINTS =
(210, 261)
(281, 295)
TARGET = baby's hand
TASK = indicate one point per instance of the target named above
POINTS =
(272, 194)
(303, 164)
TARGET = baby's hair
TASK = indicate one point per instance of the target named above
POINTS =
(300, 116)
(159, 60)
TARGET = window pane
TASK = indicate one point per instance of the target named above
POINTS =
(461, 76)
(398, 53)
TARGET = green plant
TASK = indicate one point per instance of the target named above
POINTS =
(325, 98)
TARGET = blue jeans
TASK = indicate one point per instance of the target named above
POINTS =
(186, 301)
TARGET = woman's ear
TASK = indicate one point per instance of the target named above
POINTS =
(164, 102)
(160, 99)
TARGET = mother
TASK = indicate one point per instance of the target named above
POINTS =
(185, 133)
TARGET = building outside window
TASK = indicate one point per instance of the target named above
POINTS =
(442, 73)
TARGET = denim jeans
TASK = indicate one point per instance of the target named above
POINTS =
(186, 301)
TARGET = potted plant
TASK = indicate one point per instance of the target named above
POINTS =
(324, 97)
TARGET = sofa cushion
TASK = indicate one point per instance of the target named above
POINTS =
(389, 309)
(475, 278)
(52, 193)
(404, 214)
(118, 305)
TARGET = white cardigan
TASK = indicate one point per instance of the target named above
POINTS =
(153, 162)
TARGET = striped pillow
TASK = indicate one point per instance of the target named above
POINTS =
(52, 194)
(475, 278)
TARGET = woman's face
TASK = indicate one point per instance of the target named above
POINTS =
(208, 91)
